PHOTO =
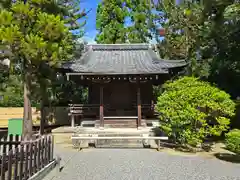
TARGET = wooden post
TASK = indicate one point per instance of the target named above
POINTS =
(15, 173)
(21, 162)
(3, 166)
(139, 106)
(101, 107)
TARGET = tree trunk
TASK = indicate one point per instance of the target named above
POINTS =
(27, 114)
(43, 117)
(43, 89)
(42, 109)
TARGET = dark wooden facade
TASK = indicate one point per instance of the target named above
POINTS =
(117, 97)
(120, 81)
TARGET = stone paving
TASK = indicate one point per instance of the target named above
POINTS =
(139, 164)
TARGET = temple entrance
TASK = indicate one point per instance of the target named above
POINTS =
(119, 99)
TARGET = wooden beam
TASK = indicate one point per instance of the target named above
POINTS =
(101, 115)
(139, 105)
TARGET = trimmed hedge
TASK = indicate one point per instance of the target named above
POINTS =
(233, 141)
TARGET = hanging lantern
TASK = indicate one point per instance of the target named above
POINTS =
(161, 32)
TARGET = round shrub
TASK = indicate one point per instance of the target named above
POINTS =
(191, 110)
(233, 141)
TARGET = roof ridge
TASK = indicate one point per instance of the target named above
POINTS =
(123, 44)
(106, 47)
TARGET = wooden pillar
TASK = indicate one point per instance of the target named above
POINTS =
(101, 107)
(139, 105)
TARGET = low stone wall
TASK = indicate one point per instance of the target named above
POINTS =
(55, 115)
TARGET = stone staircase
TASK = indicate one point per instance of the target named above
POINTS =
(120, 123)
(119, 143)
(63, 137)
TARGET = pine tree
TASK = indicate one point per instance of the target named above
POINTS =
(111, 15)
(33, 39)
(74, 18)
(140, 13)
(72, 14)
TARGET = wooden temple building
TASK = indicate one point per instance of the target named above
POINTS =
(120, 80)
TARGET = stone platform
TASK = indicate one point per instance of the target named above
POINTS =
(63, 135)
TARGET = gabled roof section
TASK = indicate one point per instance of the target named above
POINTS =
(121, 59)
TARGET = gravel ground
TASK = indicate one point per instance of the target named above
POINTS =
(139, 164)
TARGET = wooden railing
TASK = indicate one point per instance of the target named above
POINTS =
(21, 160)
(79, 108)
(92, 110)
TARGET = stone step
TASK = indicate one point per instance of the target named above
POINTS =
(118, 143)
(130, 143)
(120, 123)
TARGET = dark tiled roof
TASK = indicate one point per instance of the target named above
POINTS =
(122, 59)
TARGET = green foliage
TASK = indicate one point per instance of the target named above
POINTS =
(124, 21)
(75, 19)
(110, 20)
(73, 16)
(192, 110)
(206, 33)
(12, 91)
(142, 21)
(34, 35)
(233, 141)
(35, 40)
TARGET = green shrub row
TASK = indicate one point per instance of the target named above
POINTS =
(233, 140)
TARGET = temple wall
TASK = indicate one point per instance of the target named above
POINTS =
(120, 96)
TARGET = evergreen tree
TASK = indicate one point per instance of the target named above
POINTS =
(33, 39)
(140, 13)
(75, 20)
(111, 15)
(72, 13)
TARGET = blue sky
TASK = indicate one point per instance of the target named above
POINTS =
(90, 27)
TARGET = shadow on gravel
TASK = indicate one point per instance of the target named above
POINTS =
(228, 157)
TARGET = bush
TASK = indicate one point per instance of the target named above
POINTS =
(192, 110)
(233, 140)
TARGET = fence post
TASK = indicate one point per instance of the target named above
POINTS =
(10, 141)
(42, 153)
(21, 162)
(16, 140)
(39, 156)
(30, 159)
(26, 161)
(16, 162)
(4, 145)
(35, 157)
(3, 166)
(46, 150)
(10, 155)
(52, 138)
(49, 148)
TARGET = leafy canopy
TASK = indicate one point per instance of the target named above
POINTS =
(32, 36)
(111, 16)
(192, 109)
(124, 21)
